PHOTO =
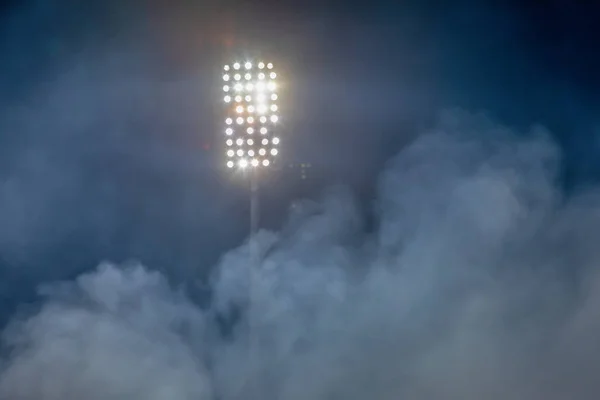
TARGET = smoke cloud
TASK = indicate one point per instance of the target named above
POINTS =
(480, 281)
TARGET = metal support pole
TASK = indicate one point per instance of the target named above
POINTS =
(254, 266)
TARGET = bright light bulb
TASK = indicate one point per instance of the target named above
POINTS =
(229, 131)
(230, 164)
(275, 141)
(273, 75)
(250, 120)
(230, 153)
(239, 109)
(250, 131)
(250, 142)
(274, 107)
(270, 65)
(248, 65)
(248, 98)
(274, 97)
(261, 65)
(238, 99)
(261, 76)
(237, 77)
(248, 77)
(240, 153)
(226, 88)
(263, 130)
(251, 153)
(271, 86)
(229, 142)
(227, 99)
(243, 163)
(240, 120)
(238, 87)
(236, 66)
(266, 163)
(265, 142)
(239, 142)
(263, 120)
(274, 152)
(254, 162)
(229, 121)
(226, 77)
(226, 68)
(262, 152)
(274, 118)
(250, 109)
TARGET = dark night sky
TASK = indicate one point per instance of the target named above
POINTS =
(116, 99)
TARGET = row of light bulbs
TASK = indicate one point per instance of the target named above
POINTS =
(261, 109)
(249, 130)
(238, 77)
(251, 153)
(240, 142)
(260, 98)
(248, 65)
(250, 120)
(260, 87)
(243, 163)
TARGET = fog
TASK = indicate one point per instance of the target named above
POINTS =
(470, 274)
(479, 282)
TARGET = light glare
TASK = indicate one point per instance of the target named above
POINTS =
(230, 164)
(236, 66)
(254, 162)
(226, 77)
(266, 163)
(275, 141)
(240, 153)
(243, 163)
(248, 65)
(274, 152)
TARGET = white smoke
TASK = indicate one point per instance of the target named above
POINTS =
(481, 281)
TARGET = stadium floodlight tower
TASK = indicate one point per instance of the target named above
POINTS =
(252, 116)
(251, 146)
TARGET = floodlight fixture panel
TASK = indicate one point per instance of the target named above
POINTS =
(252, 115)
